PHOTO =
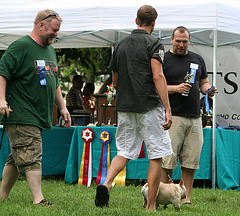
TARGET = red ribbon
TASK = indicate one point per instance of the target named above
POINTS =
(142, 154)
(100, 169)
(87, 136)
(86, 163)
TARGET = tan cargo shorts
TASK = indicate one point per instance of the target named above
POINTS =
(187, 141)
(26, 147)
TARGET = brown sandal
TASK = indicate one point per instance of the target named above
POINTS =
(45, 203)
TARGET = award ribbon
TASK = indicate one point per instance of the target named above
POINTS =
(194, 68)
(85, 173)
(142, 154)
(120, 178)
(105, 138)
(206, 102)
(43, 81)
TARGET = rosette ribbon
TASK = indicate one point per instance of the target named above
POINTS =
(105, 138)
(85, 173)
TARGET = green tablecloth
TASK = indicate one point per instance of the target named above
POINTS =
(62, 153)
(136, 169)
(227, 158)
(56, 144)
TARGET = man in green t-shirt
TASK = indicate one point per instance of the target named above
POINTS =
(29, 76)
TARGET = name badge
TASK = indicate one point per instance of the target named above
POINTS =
(40, 63)
(41, 66)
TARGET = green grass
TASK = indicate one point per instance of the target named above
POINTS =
(79, 200)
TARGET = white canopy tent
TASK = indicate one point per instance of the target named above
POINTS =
(100, 23)
(214, 26)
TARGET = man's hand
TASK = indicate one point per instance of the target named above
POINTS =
(168, 120)
(66, 116)
(212, 91)
(183, 88)
(4, 108)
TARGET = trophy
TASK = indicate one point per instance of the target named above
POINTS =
(209, 118)
(206, 111)
(91, 105)
(187, 78)
(61, 122)
(110, 95)
(206, 118)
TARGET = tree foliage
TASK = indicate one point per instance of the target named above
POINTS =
(91, 63)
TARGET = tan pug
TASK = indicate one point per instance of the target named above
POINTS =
(167, 194)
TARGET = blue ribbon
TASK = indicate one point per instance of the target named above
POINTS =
(43, 81)
(193, 71)
(206, 100)
(104, 163)
(105, 138)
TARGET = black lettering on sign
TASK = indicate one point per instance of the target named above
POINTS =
(235, 117)
(230, 82)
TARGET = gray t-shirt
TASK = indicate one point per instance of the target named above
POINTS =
(131, 59)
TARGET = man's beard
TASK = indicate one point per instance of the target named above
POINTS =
(47, 40)
(181, 53)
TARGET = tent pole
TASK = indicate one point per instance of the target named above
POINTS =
(214, 111)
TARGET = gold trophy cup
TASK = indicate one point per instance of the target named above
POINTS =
(110, 95)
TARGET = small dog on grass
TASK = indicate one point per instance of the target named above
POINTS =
(167, 194)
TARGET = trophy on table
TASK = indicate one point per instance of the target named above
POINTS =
(206, 117)
(91, 105)
(209, 118)
(108, 113)
(110, 95)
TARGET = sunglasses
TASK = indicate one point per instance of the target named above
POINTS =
(51, 15)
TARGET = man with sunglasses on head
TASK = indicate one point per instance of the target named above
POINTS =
(29, 74)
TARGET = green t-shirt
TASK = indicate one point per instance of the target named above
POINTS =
(22, 64)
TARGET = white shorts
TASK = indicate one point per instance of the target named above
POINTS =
(134, 128)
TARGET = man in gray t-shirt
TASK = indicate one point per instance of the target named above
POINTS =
(142, 103)
(136, 91)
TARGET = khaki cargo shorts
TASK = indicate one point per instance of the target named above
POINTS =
(187, 140)
(26, 147)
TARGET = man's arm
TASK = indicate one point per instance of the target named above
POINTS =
(161, 86)
(59, 101)
(3, 103)
(114, 78)
(182, 88)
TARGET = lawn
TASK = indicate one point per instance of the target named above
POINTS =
(79, 200)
